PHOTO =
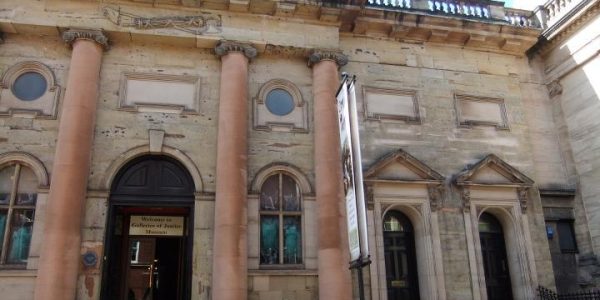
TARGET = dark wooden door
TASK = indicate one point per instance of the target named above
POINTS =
(149, 265)
(400, 258)
(495, 262)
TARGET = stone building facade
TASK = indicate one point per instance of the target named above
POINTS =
(184, 149)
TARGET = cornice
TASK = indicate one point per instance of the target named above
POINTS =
(224, 47)
(336, 56)
(564, 28)
(97, 36)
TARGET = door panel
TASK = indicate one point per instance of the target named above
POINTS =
(400, 258)
(495, 265)
(495, 262)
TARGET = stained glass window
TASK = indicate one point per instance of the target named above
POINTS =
(18, 196)
(280, 221)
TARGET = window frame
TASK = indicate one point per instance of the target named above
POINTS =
(281, 214)
(43, 107)
(10, 208)
(295, 121)
(569, 223)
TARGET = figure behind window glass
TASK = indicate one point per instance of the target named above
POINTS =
(280, 221)
(21, 237)
(269, 249)
(292, 241)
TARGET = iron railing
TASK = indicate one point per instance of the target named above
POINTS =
(547, 294)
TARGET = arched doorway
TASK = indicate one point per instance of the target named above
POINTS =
(148, 244)
(495, 262)
(400, 257)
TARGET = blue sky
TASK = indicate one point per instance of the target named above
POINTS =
(523, 4)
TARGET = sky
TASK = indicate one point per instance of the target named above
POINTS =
(523, 4)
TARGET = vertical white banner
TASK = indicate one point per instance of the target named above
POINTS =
(348, 171)
(358, 174)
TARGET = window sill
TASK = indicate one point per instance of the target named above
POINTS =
(282, 271)
(10, 271)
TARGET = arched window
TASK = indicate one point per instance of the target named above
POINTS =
(280, 221)
(18, 196)
(495, 262)
(400, 257)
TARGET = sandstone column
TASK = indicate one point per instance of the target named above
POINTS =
(230, 266)
(59, 261)
(334, 275)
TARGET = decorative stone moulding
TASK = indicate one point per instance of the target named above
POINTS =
(203, 23)
(390, 104)
(402, 169)
(554, 88)
(224, 47)
(493, 175)
(148, 92)
(399, 182)
(480, 111)
(294, 121)
(493, 186)
(45, 106)
(71, 35)
(336, 56)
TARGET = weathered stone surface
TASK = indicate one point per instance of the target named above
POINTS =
(551, 139)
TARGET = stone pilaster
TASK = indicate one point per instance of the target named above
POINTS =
(59, 259)
(333, 256)
(230, 266)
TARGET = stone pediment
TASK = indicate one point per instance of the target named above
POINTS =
(493, 171)
(399, 166)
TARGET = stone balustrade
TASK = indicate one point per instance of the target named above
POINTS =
(462, 8)
(481, 10)
(554, 10)
(391, 3)
(520, 18)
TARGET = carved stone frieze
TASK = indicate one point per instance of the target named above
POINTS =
(319, 55)
(554, 88)
(203, 23)
(224, 47)
(285, 51)
(71, 35)
(523, 194)
(435, 196)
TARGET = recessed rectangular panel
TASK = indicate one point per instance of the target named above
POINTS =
(391, 104)
(160, 92)
(472, 110)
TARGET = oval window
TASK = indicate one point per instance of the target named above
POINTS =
(29, 86)
(279, 102)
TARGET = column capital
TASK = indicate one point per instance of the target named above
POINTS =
(97, 36)
(318, 55)
(224, 47)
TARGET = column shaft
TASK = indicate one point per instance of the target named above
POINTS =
(230, 254)
(334, 276)
(59, 261)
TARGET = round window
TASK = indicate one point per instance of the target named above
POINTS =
(279, 102)
(29, 86)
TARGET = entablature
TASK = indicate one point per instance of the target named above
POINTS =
(487, 26)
